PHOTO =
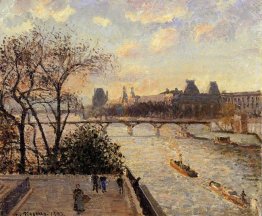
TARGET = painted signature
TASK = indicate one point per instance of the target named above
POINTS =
(40, 213)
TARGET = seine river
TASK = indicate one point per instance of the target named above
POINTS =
(148, 157)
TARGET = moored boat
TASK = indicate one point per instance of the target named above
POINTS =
(222, 140)
(228, 194)
(183, 169)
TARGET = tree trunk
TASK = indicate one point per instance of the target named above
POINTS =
(36, 150)
(34, 113)
(21, 129)
(58, 124)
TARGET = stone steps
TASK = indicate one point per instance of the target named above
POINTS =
(4, 189)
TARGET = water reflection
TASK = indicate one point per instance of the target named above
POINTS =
(148, 157)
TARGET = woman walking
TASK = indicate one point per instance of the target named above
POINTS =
(78, 199)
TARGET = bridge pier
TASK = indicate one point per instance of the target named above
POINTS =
(157, 128)
(183, 131)
(209, 125)
(130, 130)
(130, 127)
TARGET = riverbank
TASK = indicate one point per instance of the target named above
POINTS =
(248, 140)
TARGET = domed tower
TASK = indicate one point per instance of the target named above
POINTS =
(191, 88)
(213, 88)
(100, 97)
(124, 96)
(133, 95)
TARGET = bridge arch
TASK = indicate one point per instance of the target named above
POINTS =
(148, 129)
(117, 127)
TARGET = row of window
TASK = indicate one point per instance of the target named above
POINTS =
(243, 99)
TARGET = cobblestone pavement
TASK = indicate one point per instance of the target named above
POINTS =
(54, 196)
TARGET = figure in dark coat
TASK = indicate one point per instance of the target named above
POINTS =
(103, 183)
(78, 199)
(95, 182)
(120, 183)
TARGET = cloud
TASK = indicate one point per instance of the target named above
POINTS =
(163, 39)
(202, 31)
(22, 27)
(227, 19)
(222, 5)
(63, 15)
(44, 11)
(128, 49)
(60, 11)
(101, 21)
(156, 12)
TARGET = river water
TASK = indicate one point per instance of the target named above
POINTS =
(148, 157)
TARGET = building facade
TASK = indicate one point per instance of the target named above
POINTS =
(193, 104)
(247, 102)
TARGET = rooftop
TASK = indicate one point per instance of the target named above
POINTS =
(258, 93)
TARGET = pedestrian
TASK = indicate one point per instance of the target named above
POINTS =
(243, 196)
(120, 183)
(103, 183)
(78, 199)
(136, 184)
(95, 182)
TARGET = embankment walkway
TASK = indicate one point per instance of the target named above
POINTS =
(53, 195)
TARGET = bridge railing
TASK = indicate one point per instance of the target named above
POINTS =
(147, 202)
(13, 197)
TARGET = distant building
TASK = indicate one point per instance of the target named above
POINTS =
(213, 89)
(174, 92)
(124, 96)
(192, 103)
(248, 102)
(165, 98)
(100, 97)
(191, 88)
(133, 95)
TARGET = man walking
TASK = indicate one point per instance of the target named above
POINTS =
(120, 183)
(95, 182)
(103, 183)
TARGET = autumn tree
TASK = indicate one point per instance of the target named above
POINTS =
(227, 112)
(8, 145)
(34, 69)
(63, 58)
(19, 59)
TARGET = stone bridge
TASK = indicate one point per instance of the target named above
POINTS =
(131, 123)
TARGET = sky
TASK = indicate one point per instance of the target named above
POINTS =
(158, 44)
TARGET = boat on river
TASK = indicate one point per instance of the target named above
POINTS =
(224, 140)
(228, 194)
(183, 169)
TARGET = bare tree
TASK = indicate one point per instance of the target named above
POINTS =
(34, 69)
(8, 145)
(19, 58)
(62, 58)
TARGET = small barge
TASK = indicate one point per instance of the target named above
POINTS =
(222, 140)
(230, 195)
(183, 169)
